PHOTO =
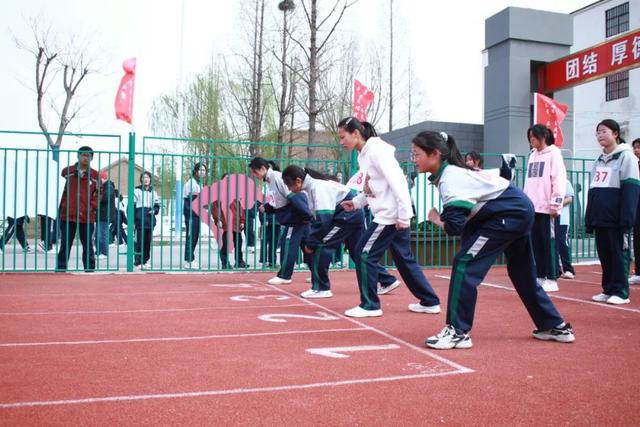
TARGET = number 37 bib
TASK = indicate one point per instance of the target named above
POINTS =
(602, 177)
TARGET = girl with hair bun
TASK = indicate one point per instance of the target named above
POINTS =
(491, 216)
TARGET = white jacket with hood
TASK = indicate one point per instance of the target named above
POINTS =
(385, 190)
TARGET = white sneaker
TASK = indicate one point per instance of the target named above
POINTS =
(27, 249)
(146, 266)
(361, 312)
(278, 281)
(316, 294)
(550, 285)
(251, 249)
(419, 308)
(188, 265)
(567, 275)
(616, 300)
(600, 298)
(448, 338)
(41, 247)
(382, 290)
(308, 280)
(634, 280)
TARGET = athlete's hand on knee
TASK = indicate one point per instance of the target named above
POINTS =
(347, 205)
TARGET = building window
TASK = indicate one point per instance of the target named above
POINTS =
(617, 19)
(618, 86)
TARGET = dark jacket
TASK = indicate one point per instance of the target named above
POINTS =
(79, 199)
(107, 206)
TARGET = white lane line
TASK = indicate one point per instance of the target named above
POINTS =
(159, 310)
(578, 300)
(167, 339)
(221, 392)
(459, 368)
(211, 291)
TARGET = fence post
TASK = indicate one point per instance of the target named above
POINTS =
(130, 204)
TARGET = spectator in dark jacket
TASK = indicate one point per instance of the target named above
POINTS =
(78, 209)
(106, 213)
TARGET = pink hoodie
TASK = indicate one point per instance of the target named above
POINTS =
(546, 180)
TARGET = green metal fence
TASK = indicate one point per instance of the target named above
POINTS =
(31, 188)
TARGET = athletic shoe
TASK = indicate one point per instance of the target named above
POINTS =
(243, 265)
(448, 338)
(251, 249)
(308, 280)
(567, 275)
(634, 280)
(616, 300)
(27, 249)
(316, 294)
(419, 308)
(386, 289)
(145, 266)
(563, 334)
(42, 247)
(550, 285)
(601, 298)
(278, 281)
(361, 312)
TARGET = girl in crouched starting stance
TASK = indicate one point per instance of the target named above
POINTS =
(491, 216)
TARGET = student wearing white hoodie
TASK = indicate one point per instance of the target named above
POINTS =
(387, 194)
(545, 184)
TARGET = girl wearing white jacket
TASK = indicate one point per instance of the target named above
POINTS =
(387, 194)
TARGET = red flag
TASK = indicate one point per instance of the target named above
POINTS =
(124, 97)
(550, 113)
(362, 97)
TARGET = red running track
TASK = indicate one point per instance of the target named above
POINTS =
(228, 349)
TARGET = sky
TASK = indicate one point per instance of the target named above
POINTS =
(446, 45)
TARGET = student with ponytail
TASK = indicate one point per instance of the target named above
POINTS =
(332, 226)
(611, 210)
(491, 216)
(387, 194)
(291, 211)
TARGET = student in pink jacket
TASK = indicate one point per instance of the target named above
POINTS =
(545, 184)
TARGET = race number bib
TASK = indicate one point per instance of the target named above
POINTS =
(357, 181)
(601, 177)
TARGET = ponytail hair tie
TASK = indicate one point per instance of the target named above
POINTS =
(444, 136)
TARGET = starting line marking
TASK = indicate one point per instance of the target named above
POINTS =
(578, 300)
(224, 392)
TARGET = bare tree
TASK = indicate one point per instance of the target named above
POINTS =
(390, 65)
(314, 55)
(74, 63)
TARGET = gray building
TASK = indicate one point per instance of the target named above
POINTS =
(468, 136)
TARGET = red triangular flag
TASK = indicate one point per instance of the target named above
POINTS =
(362, 97)
(550, 113)
(124, 97)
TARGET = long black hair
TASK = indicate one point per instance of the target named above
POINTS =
(431, 141)
(614, 126)
(293, 172)
(351, 124)
(542, 133)
(260, 162)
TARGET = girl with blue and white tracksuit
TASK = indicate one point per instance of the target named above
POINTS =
(491, 216)
(332, 226)
(387, 194)
(291, 211)
(611, 210)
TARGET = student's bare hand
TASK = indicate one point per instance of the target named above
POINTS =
(401, 226)
(347, 205)
(307, 250)
(434, 216)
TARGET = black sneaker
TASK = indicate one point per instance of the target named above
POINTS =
(449, 338)
(564, 334)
